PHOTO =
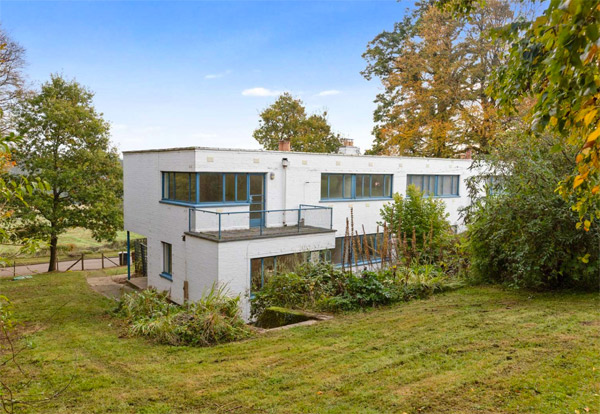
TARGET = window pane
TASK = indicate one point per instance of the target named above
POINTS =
(388, 186)
(347, 186)
(337, 251)
(416, 180)
(211, 187)
(255, 275)
(377, 185)
(288, 262)
(335, 186)
(359, 186)
(167, 263)
(324, 186)
(229, 187)
(242, 187)
(172, 186)
(193, 188)
(445, 185)
(182, 186)
(165, 180)
(430, 185)
(268, 268)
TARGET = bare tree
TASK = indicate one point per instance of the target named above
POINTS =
(11, 77)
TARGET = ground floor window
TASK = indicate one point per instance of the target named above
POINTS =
(167, 252)
(261, 269)
(358, 250)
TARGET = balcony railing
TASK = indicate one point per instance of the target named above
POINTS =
(246, 224)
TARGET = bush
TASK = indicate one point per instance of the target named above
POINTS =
(322, 287)
(524, 234)
(419, 224)
(214, 319)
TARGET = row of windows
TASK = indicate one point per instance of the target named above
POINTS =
(205, 187)
(435, 185)
(234, 187)
(355, 186)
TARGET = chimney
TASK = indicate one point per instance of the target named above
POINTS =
(348, 147)
(284, 145)
(468, 154)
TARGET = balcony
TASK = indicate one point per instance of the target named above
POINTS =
(241, 223)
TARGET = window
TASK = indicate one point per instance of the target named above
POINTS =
(368, 250)
(435, 185)
(355, 186)
(167, 251)
(261, 269)
(194, 188)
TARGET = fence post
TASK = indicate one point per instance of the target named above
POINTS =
(14, 268)
(82, 267)
(102, 260)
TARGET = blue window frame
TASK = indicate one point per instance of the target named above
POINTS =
(205, 187)
(435, 185)
(355, 186)
(340, 254)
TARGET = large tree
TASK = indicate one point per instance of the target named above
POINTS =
(434, 70)
(554, 59)
(66, 142)
(286, 119)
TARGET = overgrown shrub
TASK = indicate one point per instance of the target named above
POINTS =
(323, 287)
(214, 319)
(522, 233)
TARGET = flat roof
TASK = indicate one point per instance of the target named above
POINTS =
(261, 151)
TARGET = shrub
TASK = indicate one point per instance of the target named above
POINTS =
(322, 287)
(419, 224)
(214, 319)
(524, 234)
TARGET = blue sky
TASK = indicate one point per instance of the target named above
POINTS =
(186, 73)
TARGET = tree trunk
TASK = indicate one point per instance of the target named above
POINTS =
(53, 266)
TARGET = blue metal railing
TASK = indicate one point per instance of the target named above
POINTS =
(263, 218)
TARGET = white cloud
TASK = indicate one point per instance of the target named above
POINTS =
(260, 92)
(329, 92)
(217, 75)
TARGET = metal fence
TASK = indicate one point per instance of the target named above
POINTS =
(140, 257)
(240, 220)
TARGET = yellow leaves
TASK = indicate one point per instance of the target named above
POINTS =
(589, 117)
(594, 135)
(579, 158)
(578, 181)
(553, 120)
(586, 226)
(595, 190)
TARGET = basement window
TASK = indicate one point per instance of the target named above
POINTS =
(167, 253)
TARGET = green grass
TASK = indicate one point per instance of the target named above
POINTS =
(71, 244)
(475, 350)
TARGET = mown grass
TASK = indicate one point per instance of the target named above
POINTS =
(475, 350)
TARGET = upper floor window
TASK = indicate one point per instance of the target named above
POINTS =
(205, 187)
(435, 185)
(355, 186)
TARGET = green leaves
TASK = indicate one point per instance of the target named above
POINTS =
(286, 119)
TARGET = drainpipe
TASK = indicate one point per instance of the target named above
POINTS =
(284, 163)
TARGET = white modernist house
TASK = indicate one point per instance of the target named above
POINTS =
(232, 216)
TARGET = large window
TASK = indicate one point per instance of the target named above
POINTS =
(360, 250)
(435, 185)
(207, 188)
(355, 186)
(167, 253)
(261, 269)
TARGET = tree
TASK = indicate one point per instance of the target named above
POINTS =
(434, 70)
(66, 143)
(554, 58)
(521, 232)
(286, 119)
(11, 78)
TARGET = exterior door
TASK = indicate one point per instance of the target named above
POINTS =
(257, 199)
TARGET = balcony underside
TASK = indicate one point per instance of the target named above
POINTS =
(256, 233)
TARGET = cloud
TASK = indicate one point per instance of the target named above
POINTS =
(260, 92)
(329, 92)
(217, 75)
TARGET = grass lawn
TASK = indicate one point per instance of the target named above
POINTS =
(77, 240)
(475, 350)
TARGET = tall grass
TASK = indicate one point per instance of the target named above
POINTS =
(213, 319)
